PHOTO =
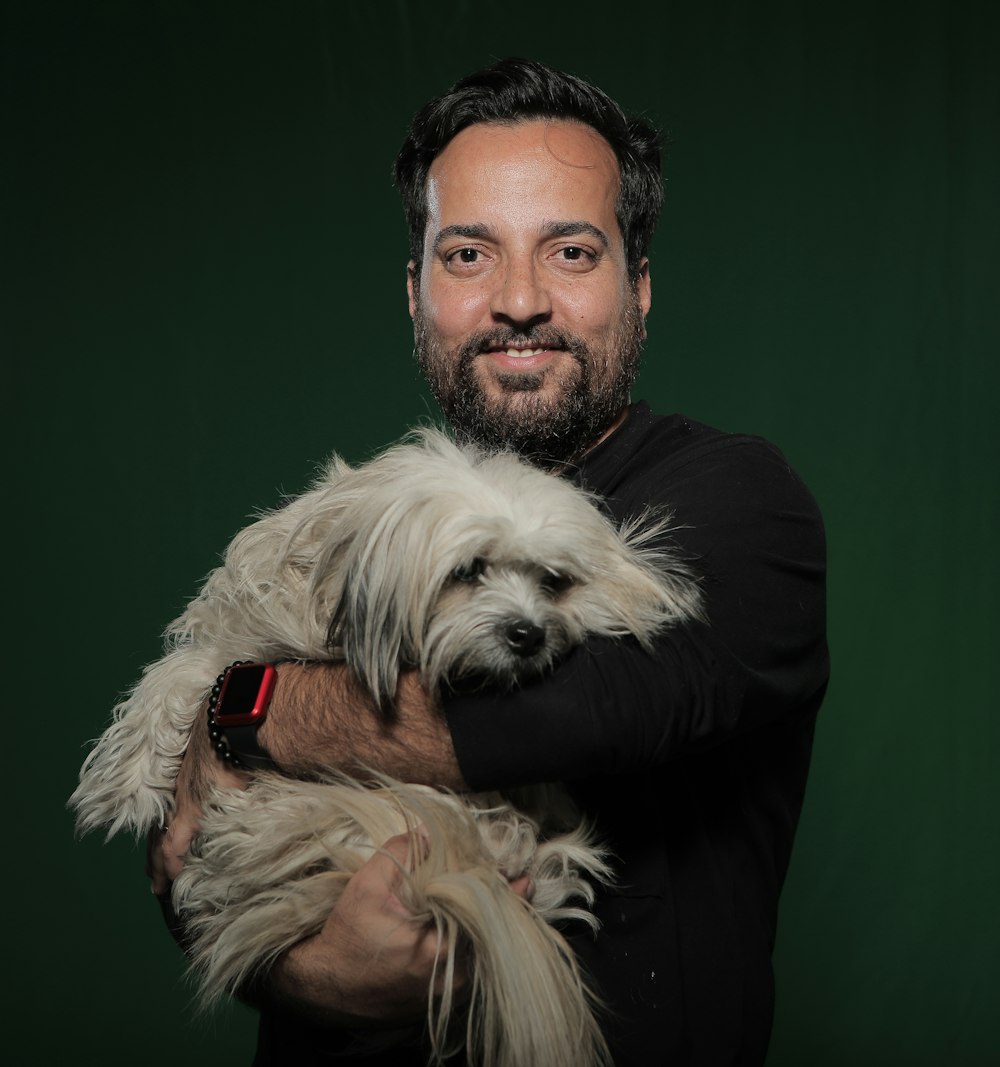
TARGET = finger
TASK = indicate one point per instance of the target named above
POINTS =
(166, 849)
(430, 947)
(162, 865)
(155, 870)
(523, 886)
(384, 872)
(404, 851)
(172, 854)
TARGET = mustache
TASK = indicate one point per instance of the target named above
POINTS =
(541, 336)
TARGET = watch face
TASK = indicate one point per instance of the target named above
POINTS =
(245, 695)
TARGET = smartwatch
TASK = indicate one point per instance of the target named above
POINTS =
(236, 707)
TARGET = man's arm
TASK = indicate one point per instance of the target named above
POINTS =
(754, 534)
(319, 718)
(370, 964)
(324, 719)
(337, 980)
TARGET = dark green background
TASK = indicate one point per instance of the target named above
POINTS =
(198, 221)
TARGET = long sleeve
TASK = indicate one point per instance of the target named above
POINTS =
(750, 529)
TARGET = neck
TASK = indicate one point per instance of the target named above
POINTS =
(613, 426)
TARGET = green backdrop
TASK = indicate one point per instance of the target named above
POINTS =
(197, 217)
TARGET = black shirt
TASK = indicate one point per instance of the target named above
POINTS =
(692, 759)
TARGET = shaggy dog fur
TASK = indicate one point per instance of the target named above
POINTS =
(430, 556)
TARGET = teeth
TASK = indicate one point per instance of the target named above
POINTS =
(518, 353)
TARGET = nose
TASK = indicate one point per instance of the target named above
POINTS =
(521, 296)
(525, 638)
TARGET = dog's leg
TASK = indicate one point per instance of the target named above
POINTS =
(127, 781)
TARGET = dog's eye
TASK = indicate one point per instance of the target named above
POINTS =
(554, 583)
(469, 572)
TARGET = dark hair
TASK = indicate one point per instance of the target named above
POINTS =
(518, 90)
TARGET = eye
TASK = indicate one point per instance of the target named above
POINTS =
(465, 260)
(575, 257)
(555, 583)
(469, 572)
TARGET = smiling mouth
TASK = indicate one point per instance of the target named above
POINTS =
(517, 353)
(505, 351)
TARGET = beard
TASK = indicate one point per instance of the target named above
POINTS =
(546, 425)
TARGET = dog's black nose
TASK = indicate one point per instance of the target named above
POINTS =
(524, 637)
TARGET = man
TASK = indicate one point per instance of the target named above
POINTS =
(531, 201)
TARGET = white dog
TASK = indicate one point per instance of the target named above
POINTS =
(454, 561)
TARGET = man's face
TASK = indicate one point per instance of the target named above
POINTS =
(527, 326)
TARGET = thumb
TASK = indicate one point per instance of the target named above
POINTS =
(384, 872)
(405, 851)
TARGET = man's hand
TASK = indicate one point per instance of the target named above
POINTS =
(372, 964)
(200, 770)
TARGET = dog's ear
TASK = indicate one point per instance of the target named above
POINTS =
(652, 575)
(391, 564)
(392, 577)
(372, 651)
(378, 623)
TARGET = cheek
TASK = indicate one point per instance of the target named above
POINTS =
(593, 312)
(454, 312)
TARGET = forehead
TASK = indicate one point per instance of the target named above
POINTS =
(528, 173)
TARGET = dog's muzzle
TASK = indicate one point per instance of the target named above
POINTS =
(524, 638)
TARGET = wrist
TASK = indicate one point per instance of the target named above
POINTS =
(237, 707)
(306, 729)
(270, 731)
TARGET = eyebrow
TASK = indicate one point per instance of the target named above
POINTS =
(576, 229)
(479, 231)
(476, 231)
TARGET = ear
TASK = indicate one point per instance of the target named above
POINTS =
(644, 292)
(361, 632)
(412, 286)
